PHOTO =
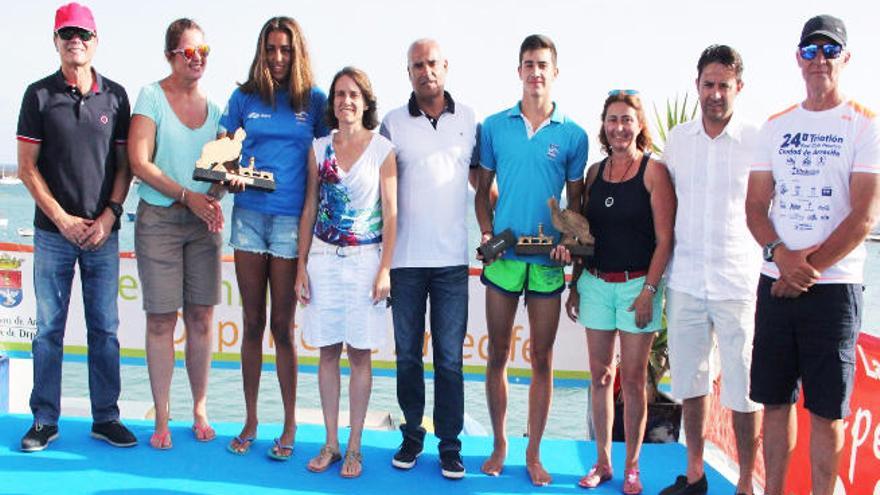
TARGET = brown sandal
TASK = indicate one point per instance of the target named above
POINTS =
(325, 458)
(352, 458)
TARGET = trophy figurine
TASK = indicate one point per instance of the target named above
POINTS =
(211, 166)
(574, 228)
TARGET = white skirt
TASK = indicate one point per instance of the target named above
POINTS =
(341, 307)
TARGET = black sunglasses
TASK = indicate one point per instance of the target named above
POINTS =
(830, 50)
(68, 33)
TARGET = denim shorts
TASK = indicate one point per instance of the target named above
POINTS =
(810, 339)
(263, 233)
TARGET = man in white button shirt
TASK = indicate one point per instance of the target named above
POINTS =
(714, 270)
(435, 138)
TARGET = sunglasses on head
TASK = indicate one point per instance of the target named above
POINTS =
(830, 50)
(626, 92)
(68, 33)
(190, 51)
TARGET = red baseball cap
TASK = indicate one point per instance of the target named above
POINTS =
(75, 15)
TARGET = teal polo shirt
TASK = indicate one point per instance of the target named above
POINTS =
(530, 170)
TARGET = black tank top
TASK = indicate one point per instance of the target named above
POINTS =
(624, 231)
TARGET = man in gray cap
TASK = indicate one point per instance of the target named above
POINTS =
(814, 193)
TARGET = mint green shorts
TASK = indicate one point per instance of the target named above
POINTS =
(604, 304)
(515, 277)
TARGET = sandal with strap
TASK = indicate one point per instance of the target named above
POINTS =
(203, 432)
(632, 485)
(161, 441)
(277, 451)
(326, 457)
(244, 445)
(352, 458)
(596, 476)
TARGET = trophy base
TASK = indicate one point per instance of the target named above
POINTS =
(207, 175)
(576, 250)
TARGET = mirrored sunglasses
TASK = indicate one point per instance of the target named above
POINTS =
(830, 51)
(626, 92)
(190, 51)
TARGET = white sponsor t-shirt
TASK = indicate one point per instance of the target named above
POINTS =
(812, 156)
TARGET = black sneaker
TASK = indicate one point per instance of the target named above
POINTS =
(405, 457)
(38, 437)
(114, 433)
(451, 466)
(682, 487)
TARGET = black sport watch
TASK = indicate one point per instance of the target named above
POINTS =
(116, 208)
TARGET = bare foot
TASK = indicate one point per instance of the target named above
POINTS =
(495, 463)
(539, 475)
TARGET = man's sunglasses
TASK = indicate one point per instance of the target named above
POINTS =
(830, 50)
(190, 51)
(625, 92)
(68, 33)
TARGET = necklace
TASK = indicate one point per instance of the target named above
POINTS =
(609, 201)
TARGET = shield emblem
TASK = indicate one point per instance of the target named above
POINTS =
(10, 282)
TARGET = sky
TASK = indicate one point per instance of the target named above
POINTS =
(606, 44)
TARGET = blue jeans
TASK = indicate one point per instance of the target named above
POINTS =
(447, 288)
(55, 259)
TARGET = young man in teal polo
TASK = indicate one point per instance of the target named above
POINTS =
(533, 150)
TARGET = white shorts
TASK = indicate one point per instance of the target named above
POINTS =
(341, 309)
(694, 327)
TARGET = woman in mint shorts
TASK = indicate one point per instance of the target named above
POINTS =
(282, 111)
(630, 205)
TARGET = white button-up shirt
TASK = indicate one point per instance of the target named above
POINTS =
(715, 256)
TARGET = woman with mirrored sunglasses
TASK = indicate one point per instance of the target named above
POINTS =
(177, 234)
(281, 110)
(630, 204)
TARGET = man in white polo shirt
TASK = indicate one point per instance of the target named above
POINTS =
(814, 193)
(714, 270)
(435, 139)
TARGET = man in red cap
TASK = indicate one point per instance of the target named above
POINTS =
(71, 156)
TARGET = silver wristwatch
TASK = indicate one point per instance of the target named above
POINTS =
(769, 247)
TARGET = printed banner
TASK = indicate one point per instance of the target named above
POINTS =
(18, 323)
(859, 470)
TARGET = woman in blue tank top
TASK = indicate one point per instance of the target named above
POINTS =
(630, 204)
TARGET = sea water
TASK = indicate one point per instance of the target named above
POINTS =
(225, 399)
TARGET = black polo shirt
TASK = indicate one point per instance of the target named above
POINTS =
(76, 133)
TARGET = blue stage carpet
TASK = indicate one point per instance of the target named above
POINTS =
(76, 463)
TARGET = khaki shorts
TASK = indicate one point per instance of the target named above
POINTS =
(699, 328)
(178, 260)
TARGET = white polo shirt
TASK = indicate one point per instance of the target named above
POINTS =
(812, 156)
(433, 162)
(715, 256)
